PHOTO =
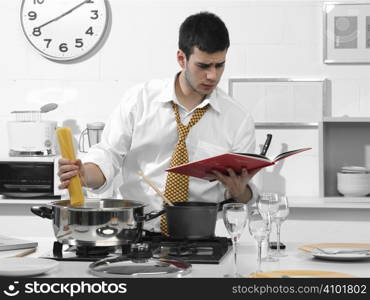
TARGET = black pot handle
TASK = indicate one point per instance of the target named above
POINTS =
(150, 216)
(42, 211)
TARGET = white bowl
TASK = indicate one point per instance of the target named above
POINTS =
(353, 185)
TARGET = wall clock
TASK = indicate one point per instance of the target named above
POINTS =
(64, 30)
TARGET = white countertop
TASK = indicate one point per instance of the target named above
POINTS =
(296, 260)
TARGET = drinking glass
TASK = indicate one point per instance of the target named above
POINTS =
(235, 218)
(268, 205)
(258, 228)
(279, 218)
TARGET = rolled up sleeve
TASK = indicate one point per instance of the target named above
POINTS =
(115, 143)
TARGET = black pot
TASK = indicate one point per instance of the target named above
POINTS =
(192, 220)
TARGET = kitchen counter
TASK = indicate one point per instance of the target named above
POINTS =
(296, 260)
(294, 202)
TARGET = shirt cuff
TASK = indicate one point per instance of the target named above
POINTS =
(253, 189)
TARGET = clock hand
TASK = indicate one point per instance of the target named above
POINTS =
(64, 14)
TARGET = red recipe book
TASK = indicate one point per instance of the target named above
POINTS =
(236, 161)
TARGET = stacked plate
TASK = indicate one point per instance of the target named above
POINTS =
(338, 251)
(353, 181)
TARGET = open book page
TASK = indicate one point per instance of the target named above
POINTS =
(289, 153)
(254, 155)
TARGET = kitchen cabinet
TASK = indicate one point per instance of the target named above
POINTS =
(298, 114)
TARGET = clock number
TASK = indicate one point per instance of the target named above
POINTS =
(36, 31)
(48, 41)
(32, 15)
(38, 1)
(63, 47)
(89, 31)
(95, 14)
(79, 43)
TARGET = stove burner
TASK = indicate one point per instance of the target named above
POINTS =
(154, 245)
(181, 250)
(94, 252)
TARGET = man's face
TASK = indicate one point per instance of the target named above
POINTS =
(203, 70)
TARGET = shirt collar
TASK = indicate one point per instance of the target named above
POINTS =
(168, 94)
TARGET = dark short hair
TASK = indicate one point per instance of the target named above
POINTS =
(203, 30)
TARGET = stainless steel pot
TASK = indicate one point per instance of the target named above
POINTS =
(100, 222)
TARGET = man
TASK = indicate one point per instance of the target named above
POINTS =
(157, 119)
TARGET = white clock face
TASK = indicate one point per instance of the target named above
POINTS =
(64, 29)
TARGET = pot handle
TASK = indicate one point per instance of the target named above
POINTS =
(150, 216)
(42, 211)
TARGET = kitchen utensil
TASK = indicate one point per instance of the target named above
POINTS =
(337, 247)
(266, 144)
(25, 253)
(93, 132)
(345, 256)
(25, 266)
(98, 222)
(66, 148)
(345, 250)
(155, 188)
(309, 248)
(140, 264)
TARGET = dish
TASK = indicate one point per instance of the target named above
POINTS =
(338, 252)
(25, 266)
(301, 274)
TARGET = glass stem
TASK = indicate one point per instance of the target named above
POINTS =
(278, 225)
(235, 245)
(259, 257)
(268, 254)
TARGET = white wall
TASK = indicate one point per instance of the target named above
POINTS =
(268, 38)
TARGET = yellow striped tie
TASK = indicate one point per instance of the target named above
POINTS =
(177, 186)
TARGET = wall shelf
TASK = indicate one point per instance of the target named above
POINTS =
(346, 120)
(286, 125)
(281, 106)
(330, 202)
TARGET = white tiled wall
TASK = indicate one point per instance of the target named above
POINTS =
(268, 39)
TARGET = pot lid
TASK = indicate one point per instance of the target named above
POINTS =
(150, 267)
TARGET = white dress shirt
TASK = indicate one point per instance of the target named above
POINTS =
(141, 134)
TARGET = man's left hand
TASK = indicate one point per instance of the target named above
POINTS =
(236, 184)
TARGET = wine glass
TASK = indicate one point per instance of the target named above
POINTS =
(279, 218)
(258, 228)
(268, 205)
(235, 218)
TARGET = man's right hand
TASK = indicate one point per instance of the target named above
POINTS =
(68, 169)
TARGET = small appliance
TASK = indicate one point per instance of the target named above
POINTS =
(29, 177)
(28, 135)
(93, 132)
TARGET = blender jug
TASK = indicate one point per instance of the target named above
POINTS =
(93, 132)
